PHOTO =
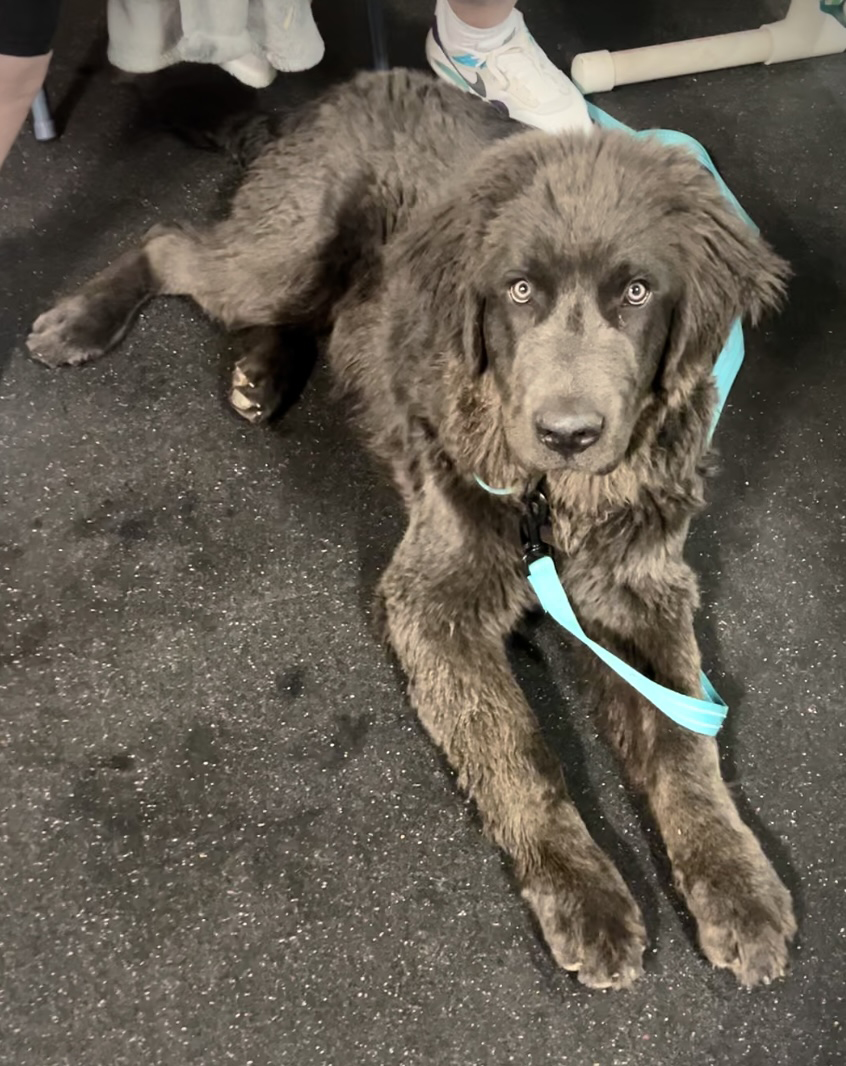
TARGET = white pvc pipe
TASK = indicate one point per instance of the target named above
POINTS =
(806, 31)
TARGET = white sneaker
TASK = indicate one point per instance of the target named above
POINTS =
(517, 77)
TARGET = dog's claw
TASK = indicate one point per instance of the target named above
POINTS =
(240, 379)
(244, 405)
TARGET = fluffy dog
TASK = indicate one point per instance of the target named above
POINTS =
(527, 309)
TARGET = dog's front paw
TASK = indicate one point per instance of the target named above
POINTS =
(743, 912)
(67, 335)
(592, 925)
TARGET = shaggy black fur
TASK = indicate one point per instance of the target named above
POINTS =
(519, 306)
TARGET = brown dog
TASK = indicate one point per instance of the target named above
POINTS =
(517, 306)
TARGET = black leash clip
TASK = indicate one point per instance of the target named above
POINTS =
(535, 516)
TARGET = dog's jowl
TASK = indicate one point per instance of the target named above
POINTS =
(514, 306)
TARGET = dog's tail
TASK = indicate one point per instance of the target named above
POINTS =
(209, 109)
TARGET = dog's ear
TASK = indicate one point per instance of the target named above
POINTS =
(440, 263)
(729, 272)
(443, 253)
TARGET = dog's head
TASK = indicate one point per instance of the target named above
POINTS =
(588, 276)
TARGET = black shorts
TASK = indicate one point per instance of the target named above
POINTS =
(27, 26)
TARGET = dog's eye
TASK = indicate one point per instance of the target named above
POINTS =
(637, 293)
(520, 291)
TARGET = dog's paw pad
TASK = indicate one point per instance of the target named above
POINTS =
(58, 337)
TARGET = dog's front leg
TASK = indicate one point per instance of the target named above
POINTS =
(743, 912)
(448, 607)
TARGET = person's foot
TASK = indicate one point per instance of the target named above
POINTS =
(516, 76)
(251, 69)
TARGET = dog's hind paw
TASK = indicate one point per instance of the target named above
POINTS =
(596, 930)
(66, 335)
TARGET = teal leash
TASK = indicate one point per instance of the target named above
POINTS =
(703, 716)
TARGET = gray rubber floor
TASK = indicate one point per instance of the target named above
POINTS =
(224, 838)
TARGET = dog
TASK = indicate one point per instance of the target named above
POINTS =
(521, 308)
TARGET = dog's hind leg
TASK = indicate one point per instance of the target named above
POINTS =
(93, 320)
(171, 261)
(239, 282)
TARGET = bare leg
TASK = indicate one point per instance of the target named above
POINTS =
(482, 13)
(446, 620)
(20, 79)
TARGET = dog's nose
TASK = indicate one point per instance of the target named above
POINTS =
(569, 432)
